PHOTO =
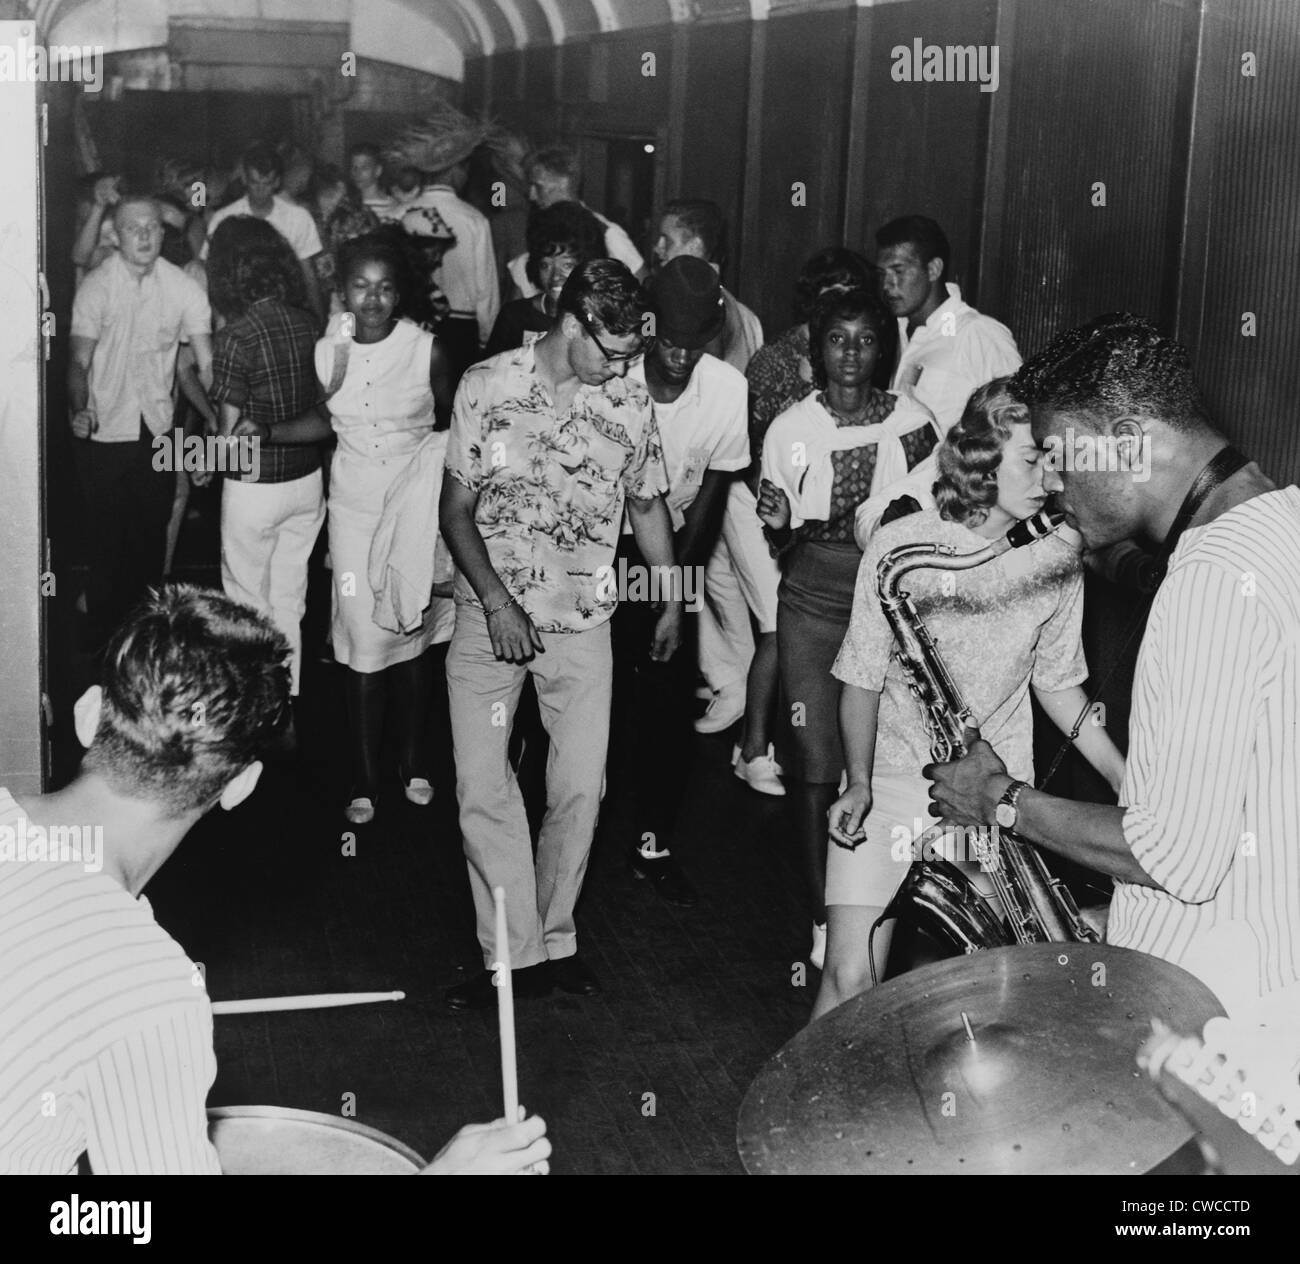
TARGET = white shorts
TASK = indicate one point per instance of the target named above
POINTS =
(869, 875)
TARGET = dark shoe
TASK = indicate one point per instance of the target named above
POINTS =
(479, 992)
(571, 974)
(668, 879)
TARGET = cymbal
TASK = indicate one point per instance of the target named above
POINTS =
(1040, 1075)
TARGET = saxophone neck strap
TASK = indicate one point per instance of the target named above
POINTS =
(1221, 467)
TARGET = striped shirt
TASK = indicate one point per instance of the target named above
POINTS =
(105, 1028)
(1212, 781)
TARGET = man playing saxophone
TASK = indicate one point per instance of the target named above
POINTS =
(1004, 627)
(1205, 850)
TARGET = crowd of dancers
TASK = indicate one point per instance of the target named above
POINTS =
(503, 482)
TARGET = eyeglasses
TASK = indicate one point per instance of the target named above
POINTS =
(615, 357)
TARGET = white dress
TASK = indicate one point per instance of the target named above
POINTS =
(380, 413)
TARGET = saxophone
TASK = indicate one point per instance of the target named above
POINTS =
(940, 897)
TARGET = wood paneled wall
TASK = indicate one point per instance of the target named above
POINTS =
(1200, 163)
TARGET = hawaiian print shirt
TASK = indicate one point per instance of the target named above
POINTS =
(550, 486)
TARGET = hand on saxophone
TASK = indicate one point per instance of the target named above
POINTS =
(966, 791)
(847, 813)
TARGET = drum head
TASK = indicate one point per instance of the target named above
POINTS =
(276, 1141)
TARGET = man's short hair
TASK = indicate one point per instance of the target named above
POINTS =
(365, 148)
(834, 268)
(262, 160)
(604, 294)
(563, 228)
(558, 160)
(196, 688)
(1114, 365)
(919, 231)
(704, 221)
(134, 197)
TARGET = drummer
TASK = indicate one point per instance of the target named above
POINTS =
(105, 1026)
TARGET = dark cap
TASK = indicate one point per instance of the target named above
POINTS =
(688, 304)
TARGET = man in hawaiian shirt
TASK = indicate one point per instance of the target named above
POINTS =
(548, 443)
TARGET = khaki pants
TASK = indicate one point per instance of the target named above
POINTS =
(573, 679)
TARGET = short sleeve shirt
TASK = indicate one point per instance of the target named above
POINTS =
(262, 364)
(293, 223)
(551, 486)
(137, 325)
(703, 429)
(1001, 627)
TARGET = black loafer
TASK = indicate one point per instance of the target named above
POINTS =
(480, 993)
(572, 974)
(669, 881)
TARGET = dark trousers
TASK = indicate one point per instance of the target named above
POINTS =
(653, 712)
(459, 338)
(127, 504)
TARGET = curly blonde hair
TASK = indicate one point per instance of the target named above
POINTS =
(968, 458)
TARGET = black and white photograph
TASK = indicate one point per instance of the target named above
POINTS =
(764, 633)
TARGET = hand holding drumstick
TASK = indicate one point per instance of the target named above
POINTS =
(495, 1149)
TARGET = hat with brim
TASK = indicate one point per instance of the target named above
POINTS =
(688, 304)
(441, 140)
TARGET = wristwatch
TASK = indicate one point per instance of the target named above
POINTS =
(1006, 813)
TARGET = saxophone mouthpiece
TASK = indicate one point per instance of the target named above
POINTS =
(1043, 523)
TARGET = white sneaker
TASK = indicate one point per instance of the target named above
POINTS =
(726, 708)
(817, 954)
(419, 792)
(760, 773)
(360, 811)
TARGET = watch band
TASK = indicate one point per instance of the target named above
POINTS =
(1011, 797)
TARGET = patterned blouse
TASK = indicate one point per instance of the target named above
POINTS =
(1001, 626)
(551, 487)
(776, 381)
(854, 469)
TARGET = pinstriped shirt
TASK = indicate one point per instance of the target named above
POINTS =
(1212, 780)
(105, 1037)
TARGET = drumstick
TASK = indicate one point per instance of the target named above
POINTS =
(506, 1011)
(317, 1000)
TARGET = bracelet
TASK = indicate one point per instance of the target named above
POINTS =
(505, 605)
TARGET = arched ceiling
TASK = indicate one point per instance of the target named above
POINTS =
(432, 35)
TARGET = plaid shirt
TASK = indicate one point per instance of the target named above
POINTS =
(262, 364)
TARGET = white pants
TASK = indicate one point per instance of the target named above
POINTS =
(268, 531)
(741, 577)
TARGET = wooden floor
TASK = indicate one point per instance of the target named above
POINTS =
(645, 1079)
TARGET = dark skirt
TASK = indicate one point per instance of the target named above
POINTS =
(812, 615)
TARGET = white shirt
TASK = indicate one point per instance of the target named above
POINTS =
(954, 352)
(138, 324)
(468, 273)
(704, 428)
(618, 245)
(1212, 779)
(742, 335)
(105, 1027)
(293, 223)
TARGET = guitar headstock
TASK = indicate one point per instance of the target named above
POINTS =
(1237, 1089)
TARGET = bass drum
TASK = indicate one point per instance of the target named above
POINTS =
(276, 1141)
